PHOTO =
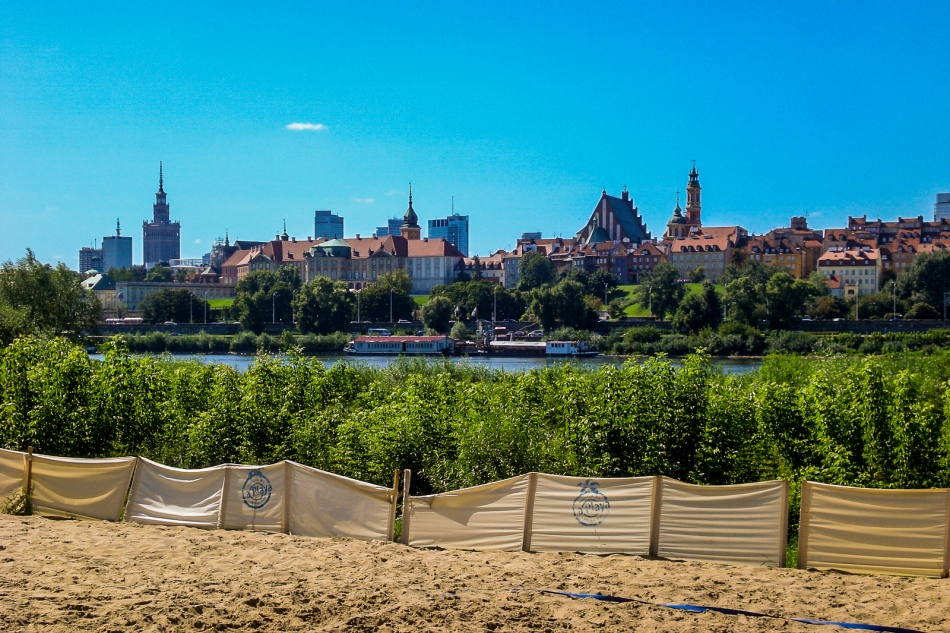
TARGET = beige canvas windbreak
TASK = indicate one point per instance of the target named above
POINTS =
(742, 524)
(861, 530)
(326, 505)
(255, 498)
(12, 465)
(579, 514)
(490, 516)
(162, 495)
(84, 488)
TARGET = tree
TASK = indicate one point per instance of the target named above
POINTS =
(534, 271)
(697, 275)
(41, 299)
(179, 306)
(136, 273)
(437, 313)
(926, 280)
(476, 269)
(264, 296)
(159, 273)
(922, 311)
(375, 298)
(564, 304)
(828, 307)
(786, 297)
(488, 297)
(698, 311)
(323, 306)
(661, 288)
(599, 279)
(745, 301)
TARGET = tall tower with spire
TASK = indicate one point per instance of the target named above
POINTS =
(693, 205)
(161, 238)
(410, 228)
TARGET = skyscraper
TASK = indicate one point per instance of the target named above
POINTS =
(942, 207)
(161, 238)
(453, 229)
(116, 250)
(90, 259)
(328, 225)
(391, 228)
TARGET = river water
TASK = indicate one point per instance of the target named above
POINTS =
(509, 364)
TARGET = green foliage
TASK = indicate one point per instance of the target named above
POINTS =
(484, 298)
(388, 296)
(698, 312)
(264, 296)
(136, 273)
(925, 281)
(322, 306)
(437, 313)
(535, 270)
(460, 332)
(564, 304)
(855, 421)
(921, 311)
(660, 288)
(180, 306)
(36, 298)
(159, 273)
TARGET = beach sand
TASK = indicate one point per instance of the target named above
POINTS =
(85, 575)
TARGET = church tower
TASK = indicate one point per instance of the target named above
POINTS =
(693, 206)
(410, 228)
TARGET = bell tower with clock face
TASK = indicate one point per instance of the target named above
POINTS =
(693, 206)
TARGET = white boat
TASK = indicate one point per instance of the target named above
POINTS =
(400, 345)
(568, 348)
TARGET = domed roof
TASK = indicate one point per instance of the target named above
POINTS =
(410, 220)
(677, 215)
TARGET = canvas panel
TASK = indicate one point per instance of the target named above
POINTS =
(486, 517)
(741, 524)
(254, 498)
(12, 464)
(162, 495)
(326, 505)
(861, 530)
(574, 514)
(86, 488)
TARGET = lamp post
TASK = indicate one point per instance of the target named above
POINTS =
(273, 307)
(118, 295)
(191, 308)
(358, 307)
(293, 314)
(605, 295)
(391, 305)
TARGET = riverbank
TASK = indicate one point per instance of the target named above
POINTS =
(71, 575)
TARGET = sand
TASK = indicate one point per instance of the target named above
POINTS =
(84, 575)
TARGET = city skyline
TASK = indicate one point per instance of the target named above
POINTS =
(523, 115)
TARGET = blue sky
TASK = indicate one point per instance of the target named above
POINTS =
(523, 111)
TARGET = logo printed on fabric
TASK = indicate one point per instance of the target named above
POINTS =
(256, 490)
(591, 506)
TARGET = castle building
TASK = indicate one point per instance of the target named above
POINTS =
(161, 238)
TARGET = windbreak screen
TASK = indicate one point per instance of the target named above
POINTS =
(86, 488)
(743, 524)
(574, 514)
(484, 517)
(254, 498)
(163, 495)
(12, 464)
(326, 505)
(867, 531)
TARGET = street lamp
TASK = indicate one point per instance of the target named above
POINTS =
(391, 305)
(605, 295)
(293, 314)
(191, 308)
(273, 307)
(358, 306)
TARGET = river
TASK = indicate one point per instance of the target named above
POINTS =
(511, 364)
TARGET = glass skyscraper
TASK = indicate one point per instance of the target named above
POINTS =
(453, 229)
(328, 225)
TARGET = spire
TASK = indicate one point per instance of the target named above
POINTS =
(283, 236)
(410, 194)
(161, 183)
(118, 228)
(227, 242)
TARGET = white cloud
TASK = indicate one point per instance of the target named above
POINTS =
(197, 241)
(363, 200)
(312, 127)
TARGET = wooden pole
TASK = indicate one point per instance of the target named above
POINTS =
(406, 506)
(657, 506)
(28, 479)
(392, 507)
(528, 521)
